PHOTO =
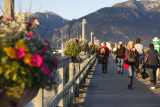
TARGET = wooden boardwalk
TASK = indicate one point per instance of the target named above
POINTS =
(110, 90)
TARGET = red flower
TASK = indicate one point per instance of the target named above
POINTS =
(33, 18)
(76, 40)
(19, 53)
(47, 43)
(30, 24)
(36, 60)
(43, 50)
(56, 63)
(45, 70)
(30, 35)
(9, 18)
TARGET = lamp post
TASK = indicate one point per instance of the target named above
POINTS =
(8, 6)
(83, 28)
(61, 38)
(94, 40)
(92, 37)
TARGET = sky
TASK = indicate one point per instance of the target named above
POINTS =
(68, 9)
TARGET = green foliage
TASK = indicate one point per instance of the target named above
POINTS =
(72, 48)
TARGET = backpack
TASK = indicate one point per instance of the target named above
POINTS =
(131, 58)
(103, 52)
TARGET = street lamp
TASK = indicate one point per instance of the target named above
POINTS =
(83, 28)
(94, 40)
(8, 6)
(61, 38)
(92, 37)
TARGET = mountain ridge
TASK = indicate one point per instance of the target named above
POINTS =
(123, 21)
(48, 21)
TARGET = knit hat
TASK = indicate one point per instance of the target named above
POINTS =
(120, 42)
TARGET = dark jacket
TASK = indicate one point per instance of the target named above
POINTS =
(151, 59)
(120, 52)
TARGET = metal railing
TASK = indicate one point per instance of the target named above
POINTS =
(72, 75)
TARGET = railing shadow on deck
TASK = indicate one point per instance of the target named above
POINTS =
(84, 87)
(72, 75)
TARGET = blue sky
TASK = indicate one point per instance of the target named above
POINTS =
(68, 9)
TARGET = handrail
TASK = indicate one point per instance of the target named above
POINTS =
(72, 75)
(69, 85)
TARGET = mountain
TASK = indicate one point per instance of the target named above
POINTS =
(48, 21)
(121, 22)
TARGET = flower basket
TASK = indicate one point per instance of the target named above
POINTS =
(72, 48)
(26, 97)
(26, 63)
(76, 60)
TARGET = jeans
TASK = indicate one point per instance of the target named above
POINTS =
(152, 74)
(104, 67)
(120, 64)
(104, 62)
(131, 75)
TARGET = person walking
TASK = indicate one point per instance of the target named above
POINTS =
(104, 54)
(120, 57)
(139, 48)
(151, 63)
(130, 62)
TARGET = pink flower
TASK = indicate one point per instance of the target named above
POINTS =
(46, 41)
(45, 70)
(30, 35)
(56, 63)
(36, 60)
(9, 18)
(30, 24)
(43, 50)
(19, 53)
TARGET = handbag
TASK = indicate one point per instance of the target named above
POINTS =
(144, 74)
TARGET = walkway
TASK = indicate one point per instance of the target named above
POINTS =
(110, 90)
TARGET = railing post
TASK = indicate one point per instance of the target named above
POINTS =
(71, 75)
(37, 102)
(78, 80)
(60, 87)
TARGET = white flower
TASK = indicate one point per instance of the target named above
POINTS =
(36, 22)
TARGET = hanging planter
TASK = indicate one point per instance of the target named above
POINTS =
(25, 98)
(25, 61)
(72, 48)
(76, 60)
